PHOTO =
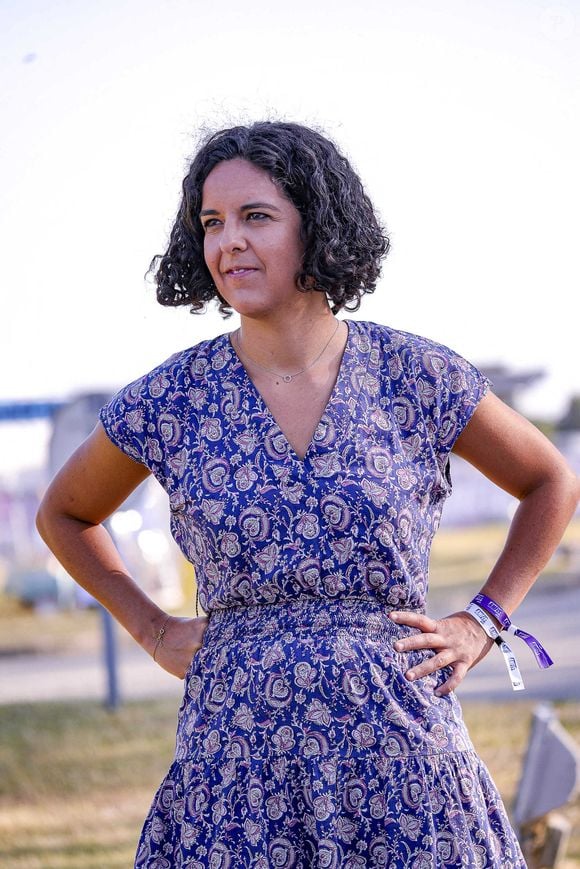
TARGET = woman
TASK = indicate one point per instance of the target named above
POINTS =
(306, 462)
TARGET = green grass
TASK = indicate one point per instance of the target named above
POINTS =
(76, 781)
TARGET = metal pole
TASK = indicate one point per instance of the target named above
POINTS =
(111, 660)
(112, 699)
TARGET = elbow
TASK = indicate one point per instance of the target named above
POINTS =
(571, 490)
(576, 491)
(561, 487)
(42, 521)
(572, 481)
(47, 517)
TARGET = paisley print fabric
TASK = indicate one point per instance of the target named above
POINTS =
(299, 741)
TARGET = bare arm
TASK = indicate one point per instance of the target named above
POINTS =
(88, 489)
(512, 453)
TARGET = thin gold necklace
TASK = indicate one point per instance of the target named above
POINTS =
(287, 378)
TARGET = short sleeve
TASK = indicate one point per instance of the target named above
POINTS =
(449, 389)
(129, 419)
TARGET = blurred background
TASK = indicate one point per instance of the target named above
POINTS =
(463, 121)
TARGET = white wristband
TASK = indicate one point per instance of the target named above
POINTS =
(492, 632)
(484, 620)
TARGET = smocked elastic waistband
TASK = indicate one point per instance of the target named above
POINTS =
(315, 615)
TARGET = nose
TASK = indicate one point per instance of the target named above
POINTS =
(232, 237)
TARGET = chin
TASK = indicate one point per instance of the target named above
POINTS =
(249, 307)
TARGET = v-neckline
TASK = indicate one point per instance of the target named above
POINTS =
(346, 353)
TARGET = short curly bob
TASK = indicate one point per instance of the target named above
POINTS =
(343, 239)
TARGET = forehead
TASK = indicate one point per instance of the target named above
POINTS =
(239, 179)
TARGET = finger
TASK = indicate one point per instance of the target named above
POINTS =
(459, 672)
(425, 668)
(419, 641)
(414, 620)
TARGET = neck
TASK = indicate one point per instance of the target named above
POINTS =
(287, 344)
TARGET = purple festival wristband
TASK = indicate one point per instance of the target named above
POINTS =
(494, 609)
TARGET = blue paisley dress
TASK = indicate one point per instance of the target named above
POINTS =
(299, 741)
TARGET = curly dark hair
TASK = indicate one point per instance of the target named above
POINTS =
(343, 239)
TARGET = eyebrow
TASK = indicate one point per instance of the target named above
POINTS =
(246, 207)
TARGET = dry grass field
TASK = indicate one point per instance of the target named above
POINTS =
(76, 781)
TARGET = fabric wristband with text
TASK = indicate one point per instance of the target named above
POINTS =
(492, 632)
(493, 608)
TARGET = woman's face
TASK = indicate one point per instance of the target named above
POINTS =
(252, 243)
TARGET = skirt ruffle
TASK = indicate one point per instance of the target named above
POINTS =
(301, 744)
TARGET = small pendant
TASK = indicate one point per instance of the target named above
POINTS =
(287, 378)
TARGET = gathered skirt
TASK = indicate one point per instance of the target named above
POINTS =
(300, 744)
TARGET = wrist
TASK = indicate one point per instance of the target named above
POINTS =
(159, 637)
(149, 629)
(482, 618)
(485, 609)
(493, 609)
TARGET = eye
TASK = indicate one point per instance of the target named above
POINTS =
(209, 224)
(257, 215)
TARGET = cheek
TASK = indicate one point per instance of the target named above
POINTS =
(298, 250)
(210, 252)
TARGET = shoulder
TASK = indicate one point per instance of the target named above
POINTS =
(169, 390)
(415, 355)
(177, 373)
(431, 376)
(404, 343)
(193, 361)
(144, 418)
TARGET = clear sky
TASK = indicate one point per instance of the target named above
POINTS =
(463, 119)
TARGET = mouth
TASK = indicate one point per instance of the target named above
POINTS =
(239, 271)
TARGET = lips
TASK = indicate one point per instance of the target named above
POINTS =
(238, 271)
